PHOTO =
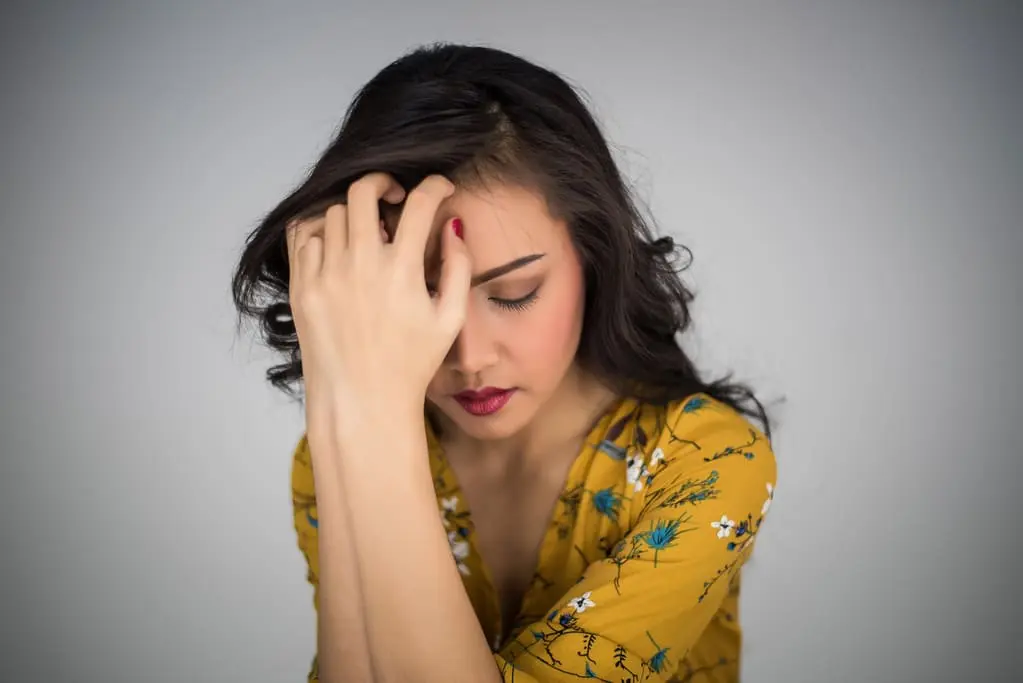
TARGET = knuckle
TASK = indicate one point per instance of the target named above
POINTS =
(426, 197)
(432, 190)
(370, 186)
(360, 190)
(331, 213)
(417, 201)
(437, 185)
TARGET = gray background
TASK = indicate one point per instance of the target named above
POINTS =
(849, 176)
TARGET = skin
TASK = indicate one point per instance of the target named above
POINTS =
(531, 346)
(511, 465)
(375, 346)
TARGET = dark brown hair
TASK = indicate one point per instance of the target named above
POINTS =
(478, 114)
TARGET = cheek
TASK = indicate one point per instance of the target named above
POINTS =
(545, 338)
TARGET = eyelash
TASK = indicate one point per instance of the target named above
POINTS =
(517, 304)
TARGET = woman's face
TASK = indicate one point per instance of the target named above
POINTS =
(524, 315)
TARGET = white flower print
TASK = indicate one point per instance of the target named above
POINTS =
(460, 549)
(656, 457)
(448, 506)
(724, 527)
(637, 471)
(582, 603)
(767, 503)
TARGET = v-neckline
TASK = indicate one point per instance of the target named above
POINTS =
(584, 455)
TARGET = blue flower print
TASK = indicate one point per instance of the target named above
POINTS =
(607, 503)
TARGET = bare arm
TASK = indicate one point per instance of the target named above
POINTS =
(421, 624)
(343, 652)
(371, 336)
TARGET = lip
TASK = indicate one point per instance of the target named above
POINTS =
(485, 401)
(480, 394)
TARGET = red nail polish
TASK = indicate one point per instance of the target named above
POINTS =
(456, 225)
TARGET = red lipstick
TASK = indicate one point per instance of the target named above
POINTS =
(485, 401)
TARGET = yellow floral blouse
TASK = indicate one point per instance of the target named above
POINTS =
(638, 574)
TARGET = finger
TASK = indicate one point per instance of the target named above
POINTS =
(289, 243)
(364, 198)
(297, 234)
(335, 232)
(310, 259)
(418, 216)
(455, 279)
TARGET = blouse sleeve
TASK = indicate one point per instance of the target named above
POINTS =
(303, 496)
(707, 482)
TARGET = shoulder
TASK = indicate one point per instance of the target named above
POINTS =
(701, 432)
(700, 423)
(698, 428)
(696, 450)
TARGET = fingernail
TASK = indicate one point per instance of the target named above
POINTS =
(456, 225)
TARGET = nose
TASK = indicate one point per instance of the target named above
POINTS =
(474, 349)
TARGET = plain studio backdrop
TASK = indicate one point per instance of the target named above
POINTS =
(848, 175)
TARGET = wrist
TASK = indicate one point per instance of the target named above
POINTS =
(383, 453)
(355, 410)
(377, 412)
(377, 420)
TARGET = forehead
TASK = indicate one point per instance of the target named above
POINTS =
(501, 223)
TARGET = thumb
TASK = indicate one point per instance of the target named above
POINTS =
(455, 277)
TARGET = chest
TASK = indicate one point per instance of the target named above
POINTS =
(511, 517)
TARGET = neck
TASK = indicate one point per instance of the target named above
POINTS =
(559, 426)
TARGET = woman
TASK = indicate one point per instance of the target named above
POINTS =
(519, 475)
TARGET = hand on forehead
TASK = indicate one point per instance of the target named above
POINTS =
(499, 224)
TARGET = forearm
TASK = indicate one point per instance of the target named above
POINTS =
(421, 624)
(342, 642)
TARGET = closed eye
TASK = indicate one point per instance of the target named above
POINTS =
(519, 304)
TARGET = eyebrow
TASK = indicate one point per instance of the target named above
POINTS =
(493, 273)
